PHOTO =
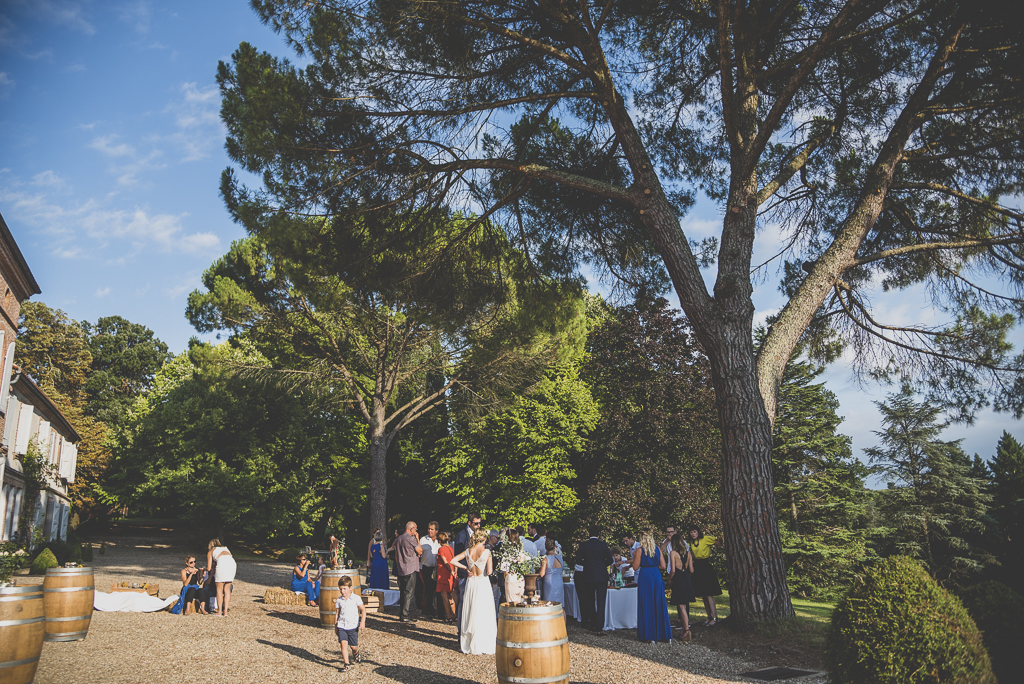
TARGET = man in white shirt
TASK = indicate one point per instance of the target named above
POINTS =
(428, 569)
(629, 542)
(539, 534)
(666, 546)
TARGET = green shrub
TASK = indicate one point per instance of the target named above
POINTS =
(60, 551)
(43, 562)
(76, 554)
(898, 626)
(87, 552)
(997, 609)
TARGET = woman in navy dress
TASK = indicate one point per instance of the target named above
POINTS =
(652, 620)
(380, 578)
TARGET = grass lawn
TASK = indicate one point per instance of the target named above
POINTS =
(805, 609)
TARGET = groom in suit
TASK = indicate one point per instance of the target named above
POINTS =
(592, 582)
(461, 542)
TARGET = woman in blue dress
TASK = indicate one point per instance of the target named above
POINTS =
(652, 620)
(380, 578)
(552, 588)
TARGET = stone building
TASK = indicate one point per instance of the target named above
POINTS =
(27, 415)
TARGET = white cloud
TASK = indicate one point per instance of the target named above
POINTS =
(82, 230)
(49, 179)
(139, 14)
(67, 13)
(129, 173)
(102, 292)
(105, 144)
(197, 118)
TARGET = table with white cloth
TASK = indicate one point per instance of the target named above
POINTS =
(391, 596)
(619, 609)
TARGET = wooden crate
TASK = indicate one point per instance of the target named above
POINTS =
(152, 589)
(373, 602)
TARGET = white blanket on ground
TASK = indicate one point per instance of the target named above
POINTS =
(131, 602)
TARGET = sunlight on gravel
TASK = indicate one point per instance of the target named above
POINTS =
(259, 643)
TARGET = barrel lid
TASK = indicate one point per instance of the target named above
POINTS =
(542, 608)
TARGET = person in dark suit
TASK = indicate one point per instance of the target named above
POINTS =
(461, 544)
(592, 582)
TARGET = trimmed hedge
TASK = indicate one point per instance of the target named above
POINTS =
(87, 552)
(43, 562)
(75, 556)
(997, 610)
(898, 626)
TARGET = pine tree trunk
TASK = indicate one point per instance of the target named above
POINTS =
(753, 545)
(379, 444)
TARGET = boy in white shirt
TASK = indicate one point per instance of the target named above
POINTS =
(351, 617)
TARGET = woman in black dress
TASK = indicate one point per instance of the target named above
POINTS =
(681, 583)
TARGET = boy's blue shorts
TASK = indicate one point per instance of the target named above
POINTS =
(349, 635)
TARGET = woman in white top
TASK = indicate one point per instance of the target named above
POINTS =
(223, 576)
(479, 626)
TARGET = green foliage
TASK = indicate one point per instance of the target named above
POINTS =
(53, 349)
(87, 553)
(12, 556)
(654, 457)
(997, 610)
(44, 561)
(934, 508)
(898, 626)
(125, 357)
(515, 466)
(60, 550)
(37, 471)
(819, 487)
(75, 555)
(1007, 468)
(220, 450)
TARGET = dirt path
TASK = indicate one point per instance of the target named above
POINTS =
(258, 643)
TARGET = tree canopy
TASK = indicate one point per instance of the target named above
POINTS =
(125, 357)
(368, 328)
(882, 137)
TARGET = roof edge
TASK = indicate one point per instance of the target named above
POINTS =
(19, 258)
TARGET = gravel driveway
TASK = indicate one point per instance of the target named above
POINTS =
(259, 643)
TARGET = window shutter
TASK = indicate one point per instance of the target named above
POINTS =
(62, 532)
(5, 382)
(74, 462)
(24, 428)
(12, 405)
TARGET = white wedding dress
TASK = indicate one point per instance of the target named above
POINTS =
(479, 623)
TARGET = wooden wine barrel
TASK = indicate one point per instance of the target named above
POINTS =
(21, 633)
(68, 595)
(329, 593)
(532, 643)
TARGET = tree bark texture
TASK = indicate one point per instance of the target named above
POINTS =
(379, 444)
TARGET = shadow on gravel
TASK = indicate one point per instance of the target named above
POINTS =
(415, 632)
(303, 654)
(417, 675)
(295, 618)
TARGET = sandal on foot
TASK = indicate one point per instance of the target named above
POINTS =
(711, 623)
(687, 637)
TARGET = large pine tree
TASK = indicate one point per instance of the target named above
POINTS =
(1008, 507)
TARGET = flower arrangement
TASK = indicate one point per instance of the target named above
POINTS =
(11, 558)
(513, 558)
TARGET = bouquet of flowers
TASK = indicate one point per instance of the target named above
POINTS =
(513, 558)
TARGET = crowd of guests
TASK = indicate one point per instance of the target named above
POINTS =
(453, 577)
(207, 590)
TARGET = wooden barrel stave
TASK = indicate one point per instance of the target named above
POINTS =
(22, 626)
(68, 599)
(329, 592)
(532, 645)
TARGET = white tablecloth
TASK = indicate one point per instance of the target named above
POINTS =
(619, 609)
(391, 596)
(131, 601)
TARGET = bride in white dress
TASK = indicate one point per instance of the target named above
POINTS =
(479, 624)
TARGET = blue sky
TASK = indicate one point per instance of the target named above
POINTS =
(111, 150)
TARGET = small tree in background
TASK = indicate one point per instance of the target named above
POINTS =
(934, 507)
(1008, 508)
(819, 486)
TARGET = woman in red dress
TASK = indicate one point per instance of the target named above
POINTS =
(446, 582)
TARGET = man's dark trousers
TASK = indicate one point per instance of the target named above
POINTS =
(407, 585)
(593, 596)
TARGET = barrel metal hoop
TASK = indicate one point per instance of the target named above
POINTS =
(22, 597)
(70, 619)
(521, 618)
(533, 644)
(26, 621)
(66, 636)
(65, 589)
(541, 610)
(19, 663)
(533, 680)
(69, 572)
